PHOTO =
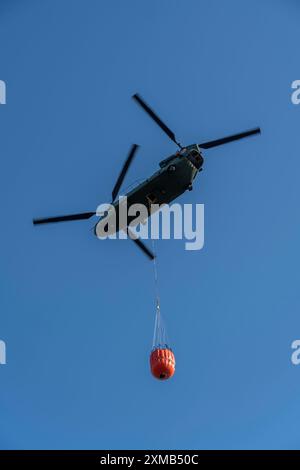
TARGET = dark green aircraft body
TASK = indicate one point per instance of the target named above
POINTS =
(175, 176)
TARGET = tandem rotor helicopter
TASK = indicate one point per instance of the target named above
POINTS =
(175, 176)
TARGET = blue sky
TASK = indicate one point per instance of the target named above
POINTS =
(77, 314)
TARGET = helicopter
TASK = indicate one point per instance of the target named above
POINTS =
(175, 176)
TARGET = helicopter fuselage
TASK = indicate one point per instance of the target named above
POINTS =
(175, 176)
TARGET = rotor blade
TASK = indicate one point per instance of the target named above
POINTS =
(230, 138)
(124, 171)
(64, 218)
(154, 116)
(141, 245)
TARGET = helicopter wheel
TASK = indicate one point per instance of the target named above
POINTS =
(172, 168)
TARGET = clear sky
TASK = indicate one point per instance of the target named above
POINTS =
(77, 314)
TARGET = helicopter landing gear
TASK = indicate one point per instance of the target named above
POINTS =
(172, 168)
